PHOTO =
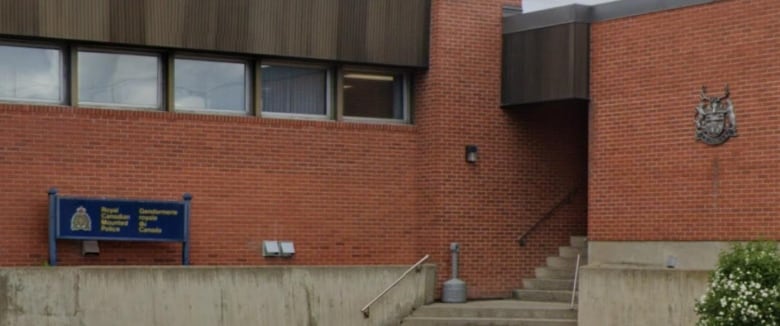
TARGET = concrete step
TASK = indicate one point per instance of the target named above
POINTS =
(445, 321)
(555, 273)
(565, 263)
(543, 295)
(578, 241)
(548, 284)
(571, 252)
(498, 309)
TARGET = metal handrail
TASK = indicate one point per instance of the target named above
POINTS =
(416, 266)
(574, 288)
(565, 201)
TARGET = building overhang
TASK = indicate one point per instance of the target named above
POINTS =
(351, 31)
(546, 54)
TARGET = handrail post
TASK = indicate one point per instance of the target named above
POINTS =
(415, 267)
(574, 288)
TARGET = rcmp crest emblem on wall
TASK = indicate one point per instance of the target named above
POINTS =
(715, 120)
(80, 220)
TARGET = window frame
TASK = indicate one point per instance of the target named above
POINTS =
(329, 90)
(406, 95)
(68, 75)
(249, 88)
(63, 74)
(161, 74)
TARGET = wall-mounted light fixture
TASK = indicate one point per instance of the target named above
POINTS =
(671, 262)
(90, 248)
(273, 248)
(471, 153)
(287, 248)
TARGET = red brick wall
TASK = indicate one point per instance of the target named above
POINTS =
(346, 193)
(649, 178)
(528, 159)
(343, 192)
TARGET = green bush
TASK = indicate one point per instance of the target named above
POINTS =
(744, 289)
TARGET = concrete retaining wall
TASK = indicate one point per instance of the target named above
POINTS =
(690, 255)
(626, 295)
(212, 296)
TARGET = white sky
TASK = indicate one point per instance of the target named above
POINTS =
(536, 5)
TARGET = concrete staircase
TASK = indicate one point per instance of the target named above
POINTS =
(553, 283)
(543, 301)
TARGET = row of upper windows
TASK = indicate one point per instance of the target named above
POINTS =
(109, 78)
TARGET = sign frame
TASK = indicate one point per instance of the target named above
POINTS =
(55, 223)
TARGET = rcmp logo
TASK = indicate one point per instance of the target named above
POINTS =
(80, 220)
(715, 120)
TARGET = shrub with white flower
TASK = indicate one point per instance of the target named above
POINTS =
(744, 289)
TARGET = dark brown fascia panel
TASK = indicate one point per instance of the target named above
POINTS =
(545, 64)
(383, 32)
(545, 55)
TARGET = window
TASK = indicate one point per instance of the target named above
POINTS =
(295, 90)
(31, 74)
(375, 95)
(208, 83)
(119, 79)
(216, 86)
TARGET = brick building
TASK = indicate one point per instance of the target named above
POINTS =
(374, 178)
(342, 125)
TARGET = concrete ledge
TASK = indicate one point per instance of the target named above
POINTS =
(697, 255)
(619, 295)
(209, 295)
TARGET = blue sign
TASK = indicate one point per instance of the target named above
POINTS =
(78, 218)
(108, 219)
